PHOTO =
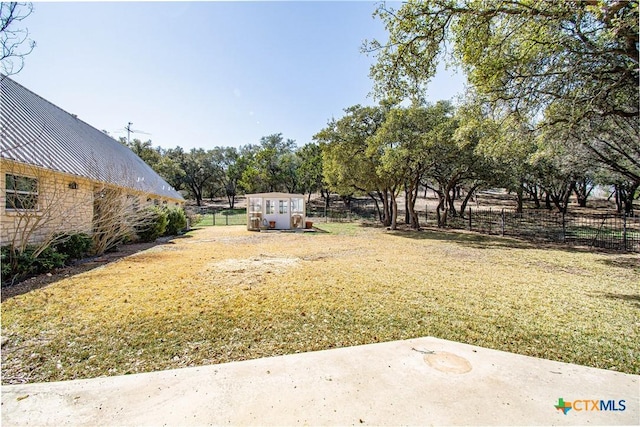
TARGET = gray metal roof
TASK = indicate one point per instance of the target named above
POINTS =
(36, 132)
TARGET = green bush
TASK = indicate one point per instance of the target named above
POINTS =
(194, 218)
(74, 245)
(20, 265)
(154, 224)
(177, 221)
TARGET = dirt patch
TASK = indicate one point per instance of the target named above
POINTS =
(249, 271)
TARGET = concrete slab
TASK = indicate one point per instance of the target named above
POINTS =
(414, 382)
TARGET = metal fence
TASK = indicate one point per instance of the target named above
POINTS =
(609, 231)
(211, 216)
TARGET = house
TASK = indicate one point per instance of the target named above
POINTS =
(279, 211)
(55, 170)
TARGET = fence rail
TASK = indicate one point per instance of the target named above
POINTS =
(210, 216)
(609, 231)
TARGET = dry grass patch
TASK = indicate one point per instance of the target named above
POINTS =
(225, 294)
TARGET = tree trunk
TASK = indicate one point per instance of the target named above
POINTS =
(407, 202)
(463, 206)
(386, 220)
(451, 196)
(520, 197)
(394, 211)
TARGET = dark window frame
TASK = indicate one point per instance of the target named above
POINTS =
(21, 192)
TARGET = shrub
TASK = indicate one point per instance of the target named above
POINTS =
(194, 218)
(74, 245)
(20, 265)
(177, 221)
(153, 226)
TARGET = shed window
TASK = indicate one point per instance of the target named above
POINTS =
(255, 204)
(297, 206)
(22, 192)
(282, 206)
(271, 206)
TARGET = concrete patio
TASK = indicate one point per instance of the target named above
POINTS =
(423, 381)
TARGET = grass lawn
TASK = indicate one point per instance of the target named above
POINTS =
(221, 294)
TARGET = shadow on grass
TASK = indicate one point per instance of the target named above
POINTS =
(483, 241)
(81, 266)
(476, 241)
(623, 262)
(629, 298)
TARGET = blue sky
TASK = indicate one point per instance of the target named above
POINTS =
(206, 74)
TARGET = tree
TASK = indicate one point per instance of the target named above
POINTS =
(572, 64)
(350, 164)
(271, 167)
(145, 150)
(310, 170)
(170, 167)
(192, 170)
(14, 42)
(42, 205)
(226, 161)
(406, 139)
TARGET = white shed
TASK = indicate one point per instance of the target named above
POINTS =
(275, 211)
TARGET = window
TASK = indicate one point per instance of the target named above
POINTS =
(22, 192)
(282, 206)
(255, 204)
(296, 206)
(271, 207)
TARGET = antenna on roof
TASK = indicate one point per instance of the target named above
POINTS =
(130, 131)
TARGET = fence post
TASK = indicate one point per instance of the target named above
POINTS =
(469, 218)
(214, 217)
(624, 230)
(564, 229)
(490, 220)
(226, 217)
(502, 218)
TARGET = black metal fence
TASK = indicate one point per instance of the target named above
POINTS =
(609, 231)
(211, 216)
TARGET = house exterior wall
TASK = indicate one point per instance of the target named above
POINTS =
(60, 208)
(65, 204)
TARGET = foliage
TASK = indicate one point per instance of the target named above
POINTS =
(530, 55)
(18, 265)
(272, 167)
(310, 170)
(351, 165)
(155, 224)
(176, 221)
(73, 245)
(193, 217)
(566, 69)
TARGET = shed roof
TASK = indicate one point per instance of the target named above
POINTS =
(36, 132)
(276, 195)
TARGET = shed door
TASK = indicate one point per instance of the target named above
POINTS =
(278, 210)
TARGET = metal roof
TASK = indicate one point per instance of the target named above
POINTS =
(36, 132)
(276, 195)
